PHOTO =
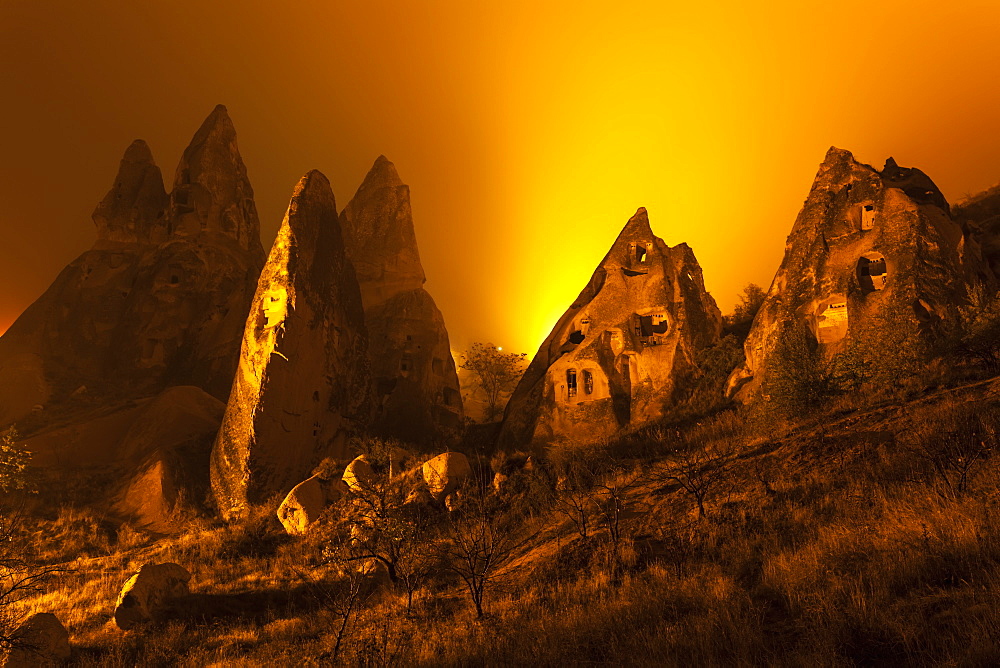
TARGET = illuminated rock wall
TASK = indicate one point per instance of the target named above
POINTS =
(874, 270)
(616, 356)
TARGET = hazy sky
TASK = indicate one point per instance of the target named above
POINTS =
(529, 132)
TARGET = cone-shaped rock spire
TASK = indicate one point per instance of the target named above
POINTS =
(617, 354)
(302, 386)
(211, 190)
(416, 386)
(379, 236)
(133, 210)
(147, 308)
(873, 270)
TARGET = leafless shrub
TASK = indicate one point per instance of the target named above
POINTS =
(20, 576)
(954, 441)
(478, 543)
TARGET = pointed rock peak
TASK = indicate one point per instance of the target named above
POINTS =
(211, 190)
(218, 125)
(637, 224)
(132, 211)
(890, 164)
(138, 152)
(835, 156)
(383, 174)
(312, 195)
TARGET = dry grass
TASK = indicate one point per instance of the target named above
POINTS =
(830, 545)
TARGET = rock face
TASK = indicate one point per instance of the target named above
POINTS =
(874, 269)
(616, 357)
(303, 382)
(979, 216)
(162, 296)
(146, 594)
(42, 641)
(168, 448)
(417, 392)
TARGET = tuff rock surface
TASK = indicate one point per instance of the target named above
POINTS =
(148, 593)
(617, 355)
(874, 270)
(306, 502)
(42, 641)
(302, 385)
(162, 296)
(416, 388)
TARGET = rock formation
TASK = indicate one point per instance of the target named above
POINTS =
(616, 356)
(302, 386)
(162, 296)
(307, 501)
(39, 641)
(979, 216)
(416, 388)
(147, 594)
(874, 269)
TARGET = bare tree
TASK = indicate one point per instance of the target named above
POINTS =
(477, 544)
(344, 596)
(955, 445)
(575, 495)
(20, 576)
(698, 471)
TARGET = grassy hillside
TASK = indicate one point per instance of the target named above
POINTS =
(863, 536)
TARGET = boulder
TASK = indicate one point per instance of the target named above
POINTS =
(416, 388)
(302, 386)
(147, 594)
(445, 473)
(622, 353)
(359, 475)
(873, 273)
(307, 501)
(41, 640)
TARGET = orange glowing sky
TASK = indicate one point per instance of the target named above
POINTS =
(528, 132)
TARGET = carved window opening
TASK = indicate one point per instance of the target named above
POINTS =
(316, 395)
(659, 323)
(867, 216)
(588, 382)
(872, 273)
(831, 322)
(452, 397)
(406, 363)
(576, 337)
(174, 279)
(571, 383)
(437, 366)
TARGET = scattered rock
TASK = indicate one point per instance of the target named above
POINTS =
(43, 641)
(445, 473)
(359, 475)
(306, 502)
(146, 594)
